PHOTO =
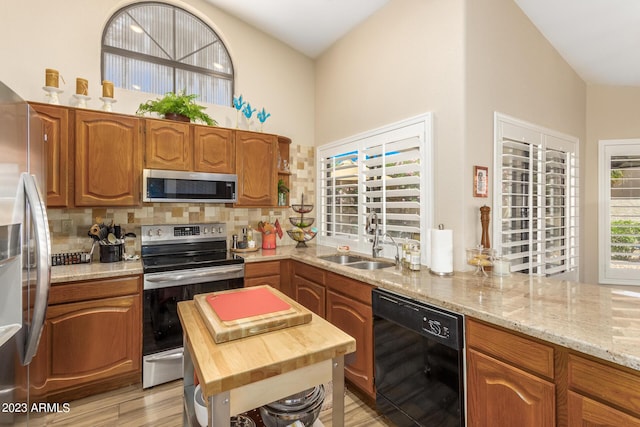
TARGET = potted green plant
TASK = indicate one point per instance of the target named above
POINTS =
(282, 192)
(177, 106)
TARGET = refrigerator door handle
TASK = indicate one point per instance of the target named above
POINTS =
(43, 265)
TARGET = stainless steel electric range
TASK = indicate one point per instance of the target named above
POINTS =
(179, 261)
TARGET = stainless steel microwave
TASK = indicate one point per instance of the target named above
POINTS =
(191, 187)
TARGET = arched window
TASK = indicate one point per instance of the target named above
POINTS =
(160, 48)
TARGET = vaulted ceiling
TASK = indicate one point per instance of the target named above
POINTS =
(600, 39)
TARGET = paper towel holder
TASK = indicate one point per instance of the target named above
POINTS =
(440, 273)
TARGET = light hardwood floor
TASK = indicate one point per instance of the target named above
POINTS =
(161, 406)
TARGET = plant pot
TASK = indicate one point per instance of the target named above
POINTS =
(177, 117)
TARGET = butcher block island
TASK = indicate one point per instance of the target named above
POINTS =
(240, 374)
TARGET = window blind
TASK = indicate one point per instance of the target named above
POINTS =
(537, 202)
(383, 171)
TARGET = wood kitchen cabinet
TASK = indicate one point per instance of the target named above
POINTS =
(308, 284)
(262, 273)
(57, 134)
(349, 308)
(510, 379)
(601, 394)
(91, 341)
(214, 149)
(168, 145)
(346, 303)
(272, 273)
(172, 145)
(256, 168)
(108, 159)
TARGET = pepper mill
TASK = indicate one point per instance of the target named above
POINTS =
(485, 213)
(485, 216)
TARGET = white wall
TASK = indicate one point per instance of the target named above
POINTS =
(511, 68)
(66, 35)
(461, 60)
(405, 60)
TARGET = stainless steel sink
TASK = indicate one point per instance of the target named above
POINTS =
(342, 259)
(356, 261)
(371, 265)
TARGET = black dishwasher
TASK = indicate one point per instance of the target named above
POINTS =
(419, 356)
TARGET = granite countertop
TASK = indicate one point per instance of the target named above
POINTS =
(94, 270)
(599, 320)
(602, 321)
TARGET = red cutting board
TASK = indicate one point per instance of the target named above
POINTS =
(240, 305)
(240, 313)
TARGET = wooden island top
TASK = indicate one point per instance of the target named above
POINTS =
(262, 368)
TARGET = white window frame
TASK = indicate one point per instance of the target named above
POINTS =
(607, 274)
(509, 130)
(419, 126)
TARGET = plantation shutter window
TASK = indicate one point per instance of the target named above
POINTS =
(339, 195)
(536, 225)
(386, 171)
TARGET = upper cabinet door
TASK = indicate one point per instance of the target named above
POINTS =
(108, 159)
(256, 168)
(214, 150)
(168, 145)
(55, 120)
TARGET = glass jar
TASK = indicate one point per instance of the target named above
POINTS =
(501, 266)
(414, 264)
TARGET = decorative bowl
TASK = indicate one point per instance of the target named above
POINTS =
(303, 209)
(301, 222)
(302, 236)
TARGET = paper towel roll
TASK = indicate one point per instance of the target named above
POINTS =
(441, 252)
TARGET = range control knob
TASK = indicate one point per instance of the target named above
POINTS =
(206, 230)
(159, 232)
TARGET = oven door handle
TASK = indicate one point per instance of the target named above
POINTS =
(172, 277)
(172, 356)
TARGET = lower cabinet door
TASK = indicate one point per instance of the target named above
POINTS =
(356, 319)
(87, 342)
(310, 294)
(503, 395)
(587, 412)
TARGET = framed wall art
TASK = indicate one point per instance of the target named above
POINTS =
(480, 181)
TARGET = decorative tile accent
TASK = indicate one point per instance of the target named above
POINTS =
(131, 218)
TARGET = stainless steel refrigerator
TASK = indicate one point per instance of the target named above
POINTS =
(25, 246)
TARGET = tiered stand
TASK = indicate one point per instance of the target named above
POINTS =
(303, 232)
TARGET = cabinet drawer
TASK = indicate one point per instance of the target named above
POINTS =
(586, 412)
(515, 349)
(357, 290)
(273, 281)
(261, 269)
(314, 274)
(604, 382)
(94, 289)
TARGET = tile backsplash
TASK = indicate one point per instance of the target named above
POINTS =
(70, 227)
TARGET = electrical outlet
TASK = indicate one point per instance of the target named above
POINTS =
(67, 226)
